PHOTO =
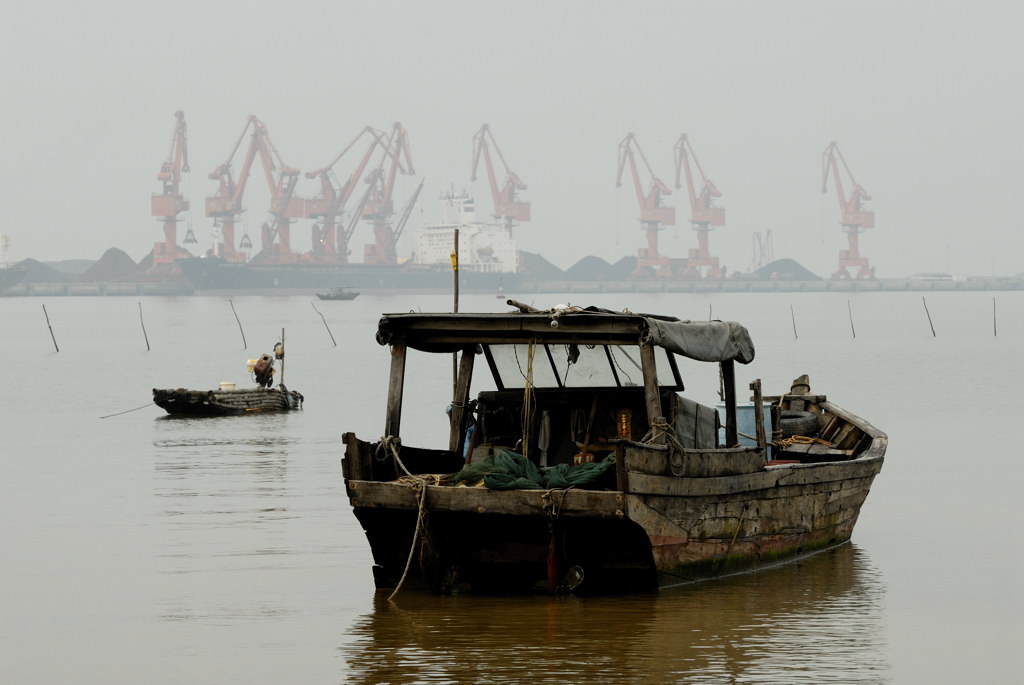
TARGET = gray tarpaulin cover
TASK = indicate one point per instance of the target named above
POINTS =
(706, 341)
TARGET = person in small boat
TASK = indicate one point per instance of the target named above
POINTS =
(263, 371)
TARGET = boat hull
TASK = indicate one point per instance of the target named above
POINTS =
(661, 530)
(182, 402)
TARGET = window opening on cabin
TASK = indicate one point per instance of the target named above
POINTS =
(578, 366)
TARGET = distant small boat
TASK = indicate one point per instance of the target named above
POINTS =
(339, 294)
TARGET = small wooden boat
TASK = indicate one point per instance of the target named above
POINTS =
(339, 294)
(222, 402)
(227, 400)
(589, 469)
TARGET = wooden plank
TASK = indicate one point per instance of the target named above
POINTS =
(755, 386)
(396, 383)
(572, 502)
(792, 474)
(457, 434)
(651, 394)
(694, 463)
(729, 391)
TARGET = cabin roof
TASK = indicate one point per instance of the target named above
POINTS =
(711, 341)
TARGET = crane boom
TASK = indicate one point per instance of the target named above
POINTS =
(225, 207)
(285, 206)
(507, 207)
(704, 216)
(653, 216)
(170, 202)
(379, 207)
(330, 241)
(853, 216)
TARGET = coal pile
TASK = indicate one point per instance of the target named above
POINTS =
(114, 265)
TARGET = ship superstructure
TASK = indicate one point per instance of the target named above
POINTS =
(483, 247)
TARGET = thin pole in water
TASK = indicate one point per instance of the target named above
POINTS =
(325, 324)
(792, 316)
(51, 329)
(994, 331)
(925, 302)
(455, 276)
(143, 327)
(850, 310)
(245, 345)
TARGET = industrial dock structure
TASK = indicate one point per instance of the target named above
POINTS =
(358, 187)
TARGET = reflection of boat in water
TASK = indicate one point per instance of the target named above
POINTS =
(822, 617)
(600, 475)
(339, 294)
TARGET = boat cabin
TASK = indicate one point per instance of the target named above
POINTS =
(591, 378)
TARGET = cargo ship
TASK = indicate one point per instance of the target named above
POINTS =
(488, 260)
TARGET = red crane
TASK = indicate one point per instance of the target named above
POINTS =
(330, 239)
(170, 203)
(854, 218)
(652, 215)
(704, 215)
(379, 206)
(285, 206)
(507, 208)
(226, 206)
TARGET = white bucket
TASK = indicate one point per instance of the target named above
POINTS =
(227, 385)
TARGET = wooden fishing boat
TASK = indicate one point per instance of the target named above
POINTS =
(227, 400)
(223, 402)
(339, 294)
(599, 473)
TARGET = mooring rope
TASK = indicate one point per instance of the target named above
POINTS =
(148, 404)
(390, 443)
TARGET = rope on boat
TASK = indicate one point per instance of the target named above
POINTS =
(390, 443)
(799, 440)
(676, 451)
(148, 404)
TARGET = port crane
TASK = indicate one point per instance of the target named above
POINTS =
(330, 239)
(169, 203)
(379, 205)
(226, 206)
(705, 216)
(653, 216)
(507, 207)
(854, 218)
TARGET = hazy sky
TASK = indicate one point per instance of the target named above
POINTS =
(924, 99)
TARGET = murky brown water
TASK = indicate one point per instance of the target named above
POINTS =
(144, 548)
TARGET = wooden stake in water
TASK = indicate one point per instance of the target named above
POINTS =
(792, 316)
(455, 273)
(925, 302)
(325, 324)
(245, 345)
(994, 332)
(850, 310)
(143, 327)
(51, 329)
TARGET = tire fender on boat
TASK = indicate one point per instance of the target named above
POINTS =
(797, 423)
